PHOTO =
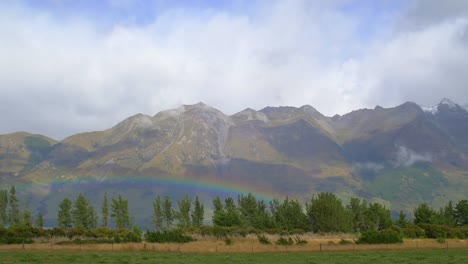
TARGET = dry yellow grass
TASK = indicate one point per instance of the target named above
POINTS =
(248, 244)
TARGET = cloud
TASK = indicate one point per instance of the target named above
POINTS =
(62, 75)
(407, 157)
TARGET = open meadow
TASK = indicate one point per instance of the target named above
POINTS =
(242, 250)
(381, 257)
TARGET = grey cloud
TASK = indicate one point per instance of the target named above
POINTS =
(423, 13)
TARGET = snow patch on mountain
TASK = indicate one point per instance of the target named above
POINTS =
(435, 109)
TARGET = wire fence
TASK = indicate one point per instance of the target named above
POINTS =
(240, 247)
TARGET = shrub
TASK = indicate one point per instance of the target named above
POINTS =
(434, 231)
(382, 237)
(263, 240)
(284, 242)
(345, 242)
(441, 239)
(413, 231)
(228, 241)
(299, 241)
(172, 236)
(458, 232)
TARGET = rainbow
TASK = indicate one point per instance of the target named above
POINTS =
(204, 186)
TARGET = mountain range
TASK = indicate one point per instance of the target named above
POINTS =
(399, 156)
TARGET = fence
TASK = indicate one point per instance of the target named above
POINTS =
(241, 246)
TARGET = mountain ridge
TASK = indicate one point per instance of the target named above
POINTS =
(412, 151)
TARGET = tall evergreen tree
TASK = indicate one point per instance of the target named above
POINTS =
(183, 215)
(423, 214)
(288, 214)
(168, 212)
(26, 217)
(219, 212)
(450, 214)
(327, 214)
(248, 209)
(233, 215)
(198, 213)
(93, 217)
(120, 214)
(357, 212)
(39, 220)
(81, 213)
(401, 222)
(64, 216)
(3, 208)
(378, 217)
(461, 212)
(13, 212)
(105, 211)
(158, 214)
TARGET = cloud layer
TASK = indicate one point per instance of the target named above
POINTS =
(62, 75)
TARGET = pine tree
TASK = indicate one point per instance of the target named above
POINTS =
(289, 214)
(3, 208)
(248, 208)
(14, 212)
(401, 222)
(64, 217)
(198, 213)
(219, 213)
(158, 215)
(356, 211)
(39, 220)
(327, 214)
(81, 213)
(93, 217)
(168, 212)
(183, 215)
(423, 214)
(26, 218)
(461, 212)
(105, 212)
(120, 214)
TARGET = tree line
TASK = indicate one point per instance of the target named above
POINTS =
(323, 212)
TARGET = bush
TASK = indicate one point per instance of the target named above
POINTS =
(345, 242)
(382, 237)
(263, 240)
(413, 231)
(458, 232)
(16, 236)
(299, 241)
(435, 231)
(172, 236)
(228, 242)
(284, 242)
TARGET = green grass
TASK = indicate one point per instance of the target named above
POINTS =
(434, 256)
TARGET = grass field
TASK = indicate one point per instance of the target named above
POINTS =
(381, 257)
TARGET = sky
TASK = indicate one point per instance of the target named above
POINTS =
(69, 66)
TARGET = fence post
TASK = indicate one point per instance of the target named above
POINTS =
(320, 247)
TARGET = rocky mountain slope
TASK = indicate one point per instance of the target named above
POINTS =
(399, 156)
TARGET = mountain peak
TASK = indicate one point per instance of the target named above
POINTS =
(435, 109)
(250, 114)
(448, 102)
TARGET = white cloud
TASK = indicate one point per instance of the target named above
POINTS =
(61, 76)
(407, 157)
